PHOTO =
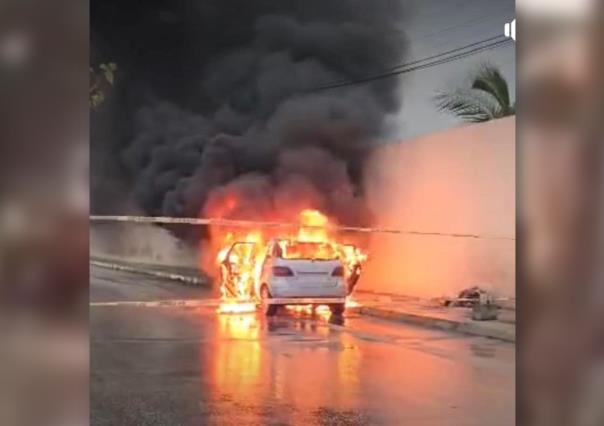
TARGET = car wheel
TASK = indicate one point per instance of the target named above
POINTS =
(337, 308)
(269, 310)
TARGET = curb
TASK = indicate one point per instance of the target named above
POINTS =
(187, 280)
(483, 328)
(170, 303)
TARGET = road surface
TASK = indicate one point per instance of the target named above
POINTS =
(191, 366)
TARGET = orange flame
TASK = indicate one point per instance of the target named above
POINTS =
(240, 255)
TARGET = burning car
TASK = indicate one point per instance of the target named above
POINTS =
(308, 268)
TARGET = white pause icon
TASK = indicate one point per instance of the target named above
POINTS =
(510, 29)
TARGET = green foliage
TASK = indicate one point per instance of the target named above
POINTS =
(108, 71)
(100, 80)
(486, 99)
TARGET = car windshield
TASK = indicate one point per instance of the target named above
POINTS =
(305, 250)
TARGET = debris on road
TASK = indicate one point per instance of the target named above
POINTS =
(483, 303)
(466, 298)
(485, 309)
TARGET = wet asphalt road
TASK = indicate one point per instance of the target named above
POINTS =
(191, 366)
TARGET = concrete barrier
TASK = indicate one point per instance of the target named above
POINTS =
(185, 279)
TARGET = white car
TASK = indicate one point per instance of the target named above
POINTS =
(291, 273)
(289, 277)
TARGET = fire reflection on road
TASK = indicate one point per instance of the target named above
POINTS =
(237, 364)
(261, 362)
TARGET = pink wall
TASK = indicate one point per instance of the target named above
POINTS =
(458, 181)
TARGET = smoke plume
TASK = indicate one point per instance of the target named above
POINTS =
(217, 101)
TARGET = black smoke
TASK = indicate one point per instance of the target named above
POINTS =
(218, 97)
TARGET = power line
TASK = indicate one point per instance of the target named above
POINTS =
(400, 67)
(240, 223)
(462, 25)
(410, 42)
(439, 55)
(431, 61)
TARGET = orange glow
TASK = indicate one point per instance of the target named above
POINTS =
(237, 366)
(321, 310)
(236, 307)
(352, 303)
(240, 254)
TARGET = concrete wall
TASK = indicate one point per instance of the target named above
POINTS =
(140, 243)
(458, 181)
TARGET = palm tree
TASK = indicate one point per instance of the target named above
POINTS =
(486, 99)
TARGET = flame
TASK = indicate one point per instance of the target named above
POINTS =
(352, 303)
(321, 310)
(240, 254)
(234, 307)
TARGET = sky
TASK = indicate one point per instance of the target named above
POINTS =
(435, 26)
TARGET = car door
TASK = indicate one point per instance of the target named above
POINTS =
(238, 267)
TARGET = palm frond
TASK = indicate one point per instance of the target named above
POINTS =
(486, 99)
(490, 80)
(471, 105)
